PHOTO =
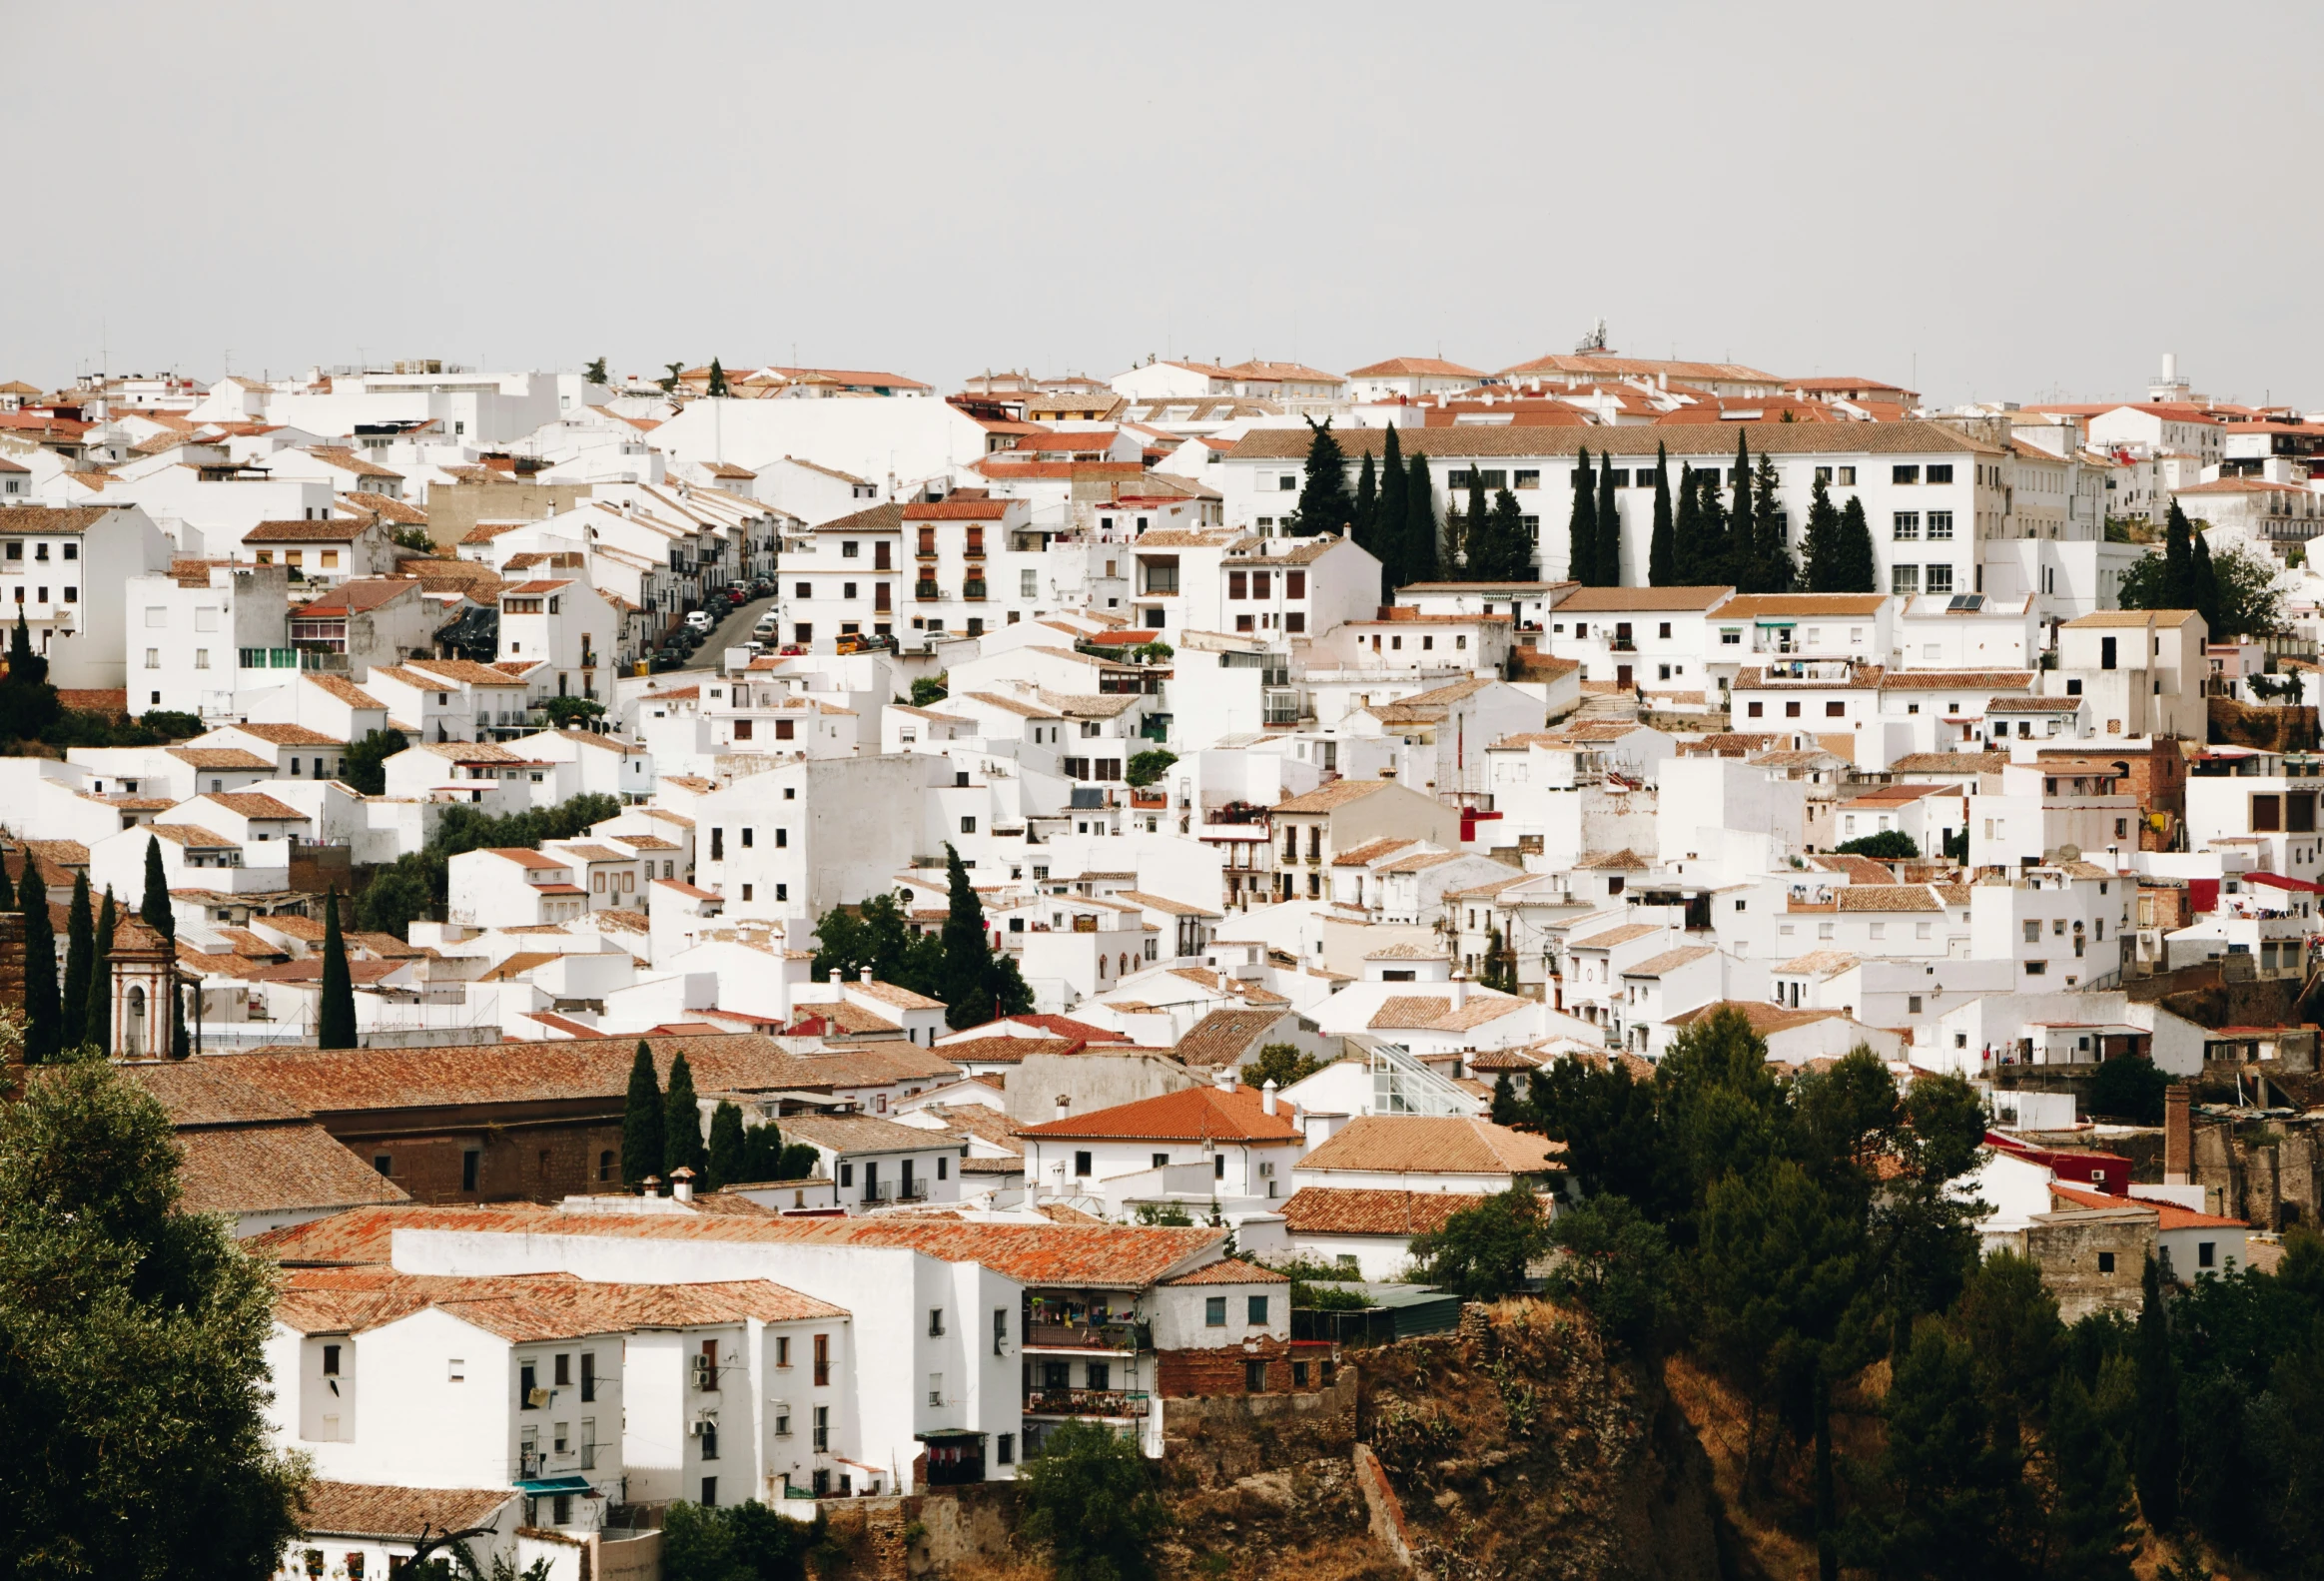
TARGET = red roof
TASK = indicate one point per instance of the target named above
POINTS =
(1196, 1113)
(2169, 1214)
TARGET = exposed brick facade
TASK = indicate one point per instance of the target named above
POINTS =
(540, 1163)
(1224, 1371)
(2159, 778)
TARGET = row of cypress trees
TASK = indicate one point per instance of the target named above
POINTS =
(661, 1132)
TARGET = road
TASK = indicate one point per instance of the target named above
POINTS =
(732, 632)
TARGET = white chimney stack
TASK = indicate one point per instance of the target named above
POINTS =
(867, 976)
(2170, 367)
(1460, 989)
(1223, 1079)
(683, 1183)
(1062, 1103)
(835, 977)
(1266, 1096)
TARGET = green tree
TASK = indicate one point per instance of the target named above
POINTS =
(1606, 558)
(878, 935)
(1089, 1499)
(1860, 567)
(1469, 530)
(79, 963)
(2246, 603)
(29, 706)
(363, 766)
(1770, 561)
(1483, 1252)
(335, 1016)
(43, 1016)
(565, 712)
(2155, 1450)
(96, 1012)
(682, 1123)
(396, 897)
(1712, 551)
(1323, 502)
(131, 1351)
(8, 900)
(2203, 581)
(154, 909)
(1741, 521)
(1144, 768)
(1612, 1128)
(727, 1151)
(1687, 532)
(2091, 1536)
(2128, 1087)
(669, 379)
(1821, 555)
(736, 1542)
(927, 691)
(1420, 533)
(2178, 563)
(1937, 1499)
(717, 386)
(1507, 1108)
(1392, 517)
(1662, 546)
(1618, 1268)
(1582, 525)
(595, 373)
(1364, 515)
(1510, 554)
(1281, 1064)
(641, 1123)
(1888, 845)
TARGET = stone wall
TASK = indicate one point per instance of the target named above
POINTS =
(2266, 1172)
(1222, 1370)
(2070, 1249)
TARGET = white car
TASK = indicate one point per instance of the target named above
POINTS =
(700, 619)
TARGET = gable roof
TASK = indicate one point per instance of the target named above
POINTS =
(1433, 1144)
(1196, 1113)
(1349, 1210)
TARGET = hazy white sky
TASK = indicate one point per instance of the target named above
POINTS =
(2000, 201)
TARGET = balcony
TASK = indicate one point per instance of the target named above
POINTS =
(927, 592)
(1622, 645)
(1086, 1403)
(912, 1192)
(1086, 1336)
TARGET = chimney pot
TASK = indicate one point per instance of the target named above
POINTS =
(867, 975)
(683, 1183)
(1223, 1079)
(1460, 989)
(1266, 1096)
(1062, 1103)
(835, 977)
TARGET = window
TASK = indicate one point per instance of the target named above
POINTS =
(2266, 814)
(383, 1163)
(153, 658)
(2037, 968)
(527, 1385)
(588, 1379)
(455, 1370)
(1941, 472)
(469, 1161)
(1941, 523)
(999, 1328)
(1214, 1312)
(1904, 526)
(331, 1361)
(1005, 1449)
(822, 1377)
(1754, 710)
(968, 826)
(1836, 711)
(1791, 708)
(710, 1484)
(1905, 579)
(563, 1370)
(1081, 1164)
(936, 1388)
(1527, 477)
(1257, 1315)
(935, 1317)
(2206, 1253)
(1255, 1377)
(1904, 474)
(2105, 1263)
(1940, 579)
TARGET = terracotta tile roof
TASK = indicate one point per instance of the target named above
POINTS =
(191, 836)
(1623, 933)
(1223, 1037)
(1744, 607)
(1954, 680)
(2131, 617)
(1406, 367)
(1888, 897)
(1231, 1270)
(402, 513)
(1433, 1144)
(1370, 851)
(364, 1509)
(1082, 1254)
(1327, 798)
(858, 1133)
(1764, 1018)
(1966, 762)
(1434, 1012)
(1668, 960)
(1063, 1026)
(270, 1167)
(1341, 1211)
(1625, 600)
(815, 1016)
(1006, 1050)
(900, 997)
(289, 735)
(329, 529)
(221, 758)
(1909, 438)
(198, 1092)
(1167, 905)
(252, 804)
(1625, 860)
(2169, 1215)
(527, 1307)
(1194, 1114)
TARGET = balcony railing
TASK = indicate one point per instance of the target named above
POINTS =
(1087, 1336)
(912, 1192)
(1086, 1403)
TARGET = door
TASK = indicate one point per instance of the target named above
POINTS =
(1622, 676)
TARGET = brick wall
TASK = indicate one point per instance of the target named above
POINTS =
(540, 1163)
(1222, 1371)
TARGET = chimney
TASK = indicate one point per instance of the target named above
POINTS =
(2178, 1137)
(1062, 1103)
(1266, 1096)
(1223, 1079)
(683, 1183)
(866, 977)
(835, 977)
(1460, 988)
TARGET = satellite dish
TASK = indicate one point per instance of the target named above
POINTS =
(2069, 853)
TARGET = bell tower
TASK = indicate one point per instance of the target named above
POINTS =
(144, 976)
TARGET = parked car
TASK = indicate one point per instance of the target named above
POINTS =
(668, 659)
(700, 619)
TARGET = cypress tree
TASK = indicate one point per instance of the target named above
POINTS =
(729, 1152)
(97, 1027)
(1391, 524)
(2157, 1450)
(1420, 518)
(1687, 534)
(43, 1024)
(641, 1121)
(2203, 584)
(1512, 545)
(1323, 502)
(80, 954)
(335, 1016)
(1819, 551)
(1505, 1111)
(1477, 530)
(1608, 560)
(717, 386)
(1662, 546)
(968, 953)
(682, 1123)
(1365, 518)
(1713, 548)
(2178, 563)
(1582, 527)
(1771, 558)
(7, 890)
(1860, 567)
(154, 909)
(1742, 523)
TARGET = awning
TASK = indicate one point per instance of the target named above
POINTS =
(941, 1435)
(540, 1485)
(2278, 880)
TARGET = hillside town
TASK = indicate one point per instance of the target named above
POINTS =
(770, 933)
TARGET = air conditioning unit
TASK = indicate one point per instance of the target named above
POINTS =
(705, 1426)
